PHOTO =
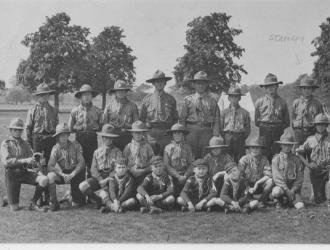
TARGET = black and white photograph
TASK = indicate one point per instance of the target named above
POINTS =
(164, 121)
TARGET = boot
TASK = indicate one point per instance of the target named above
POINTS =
(89, 192)
(155, 210)
(54, 206)
(4, 201)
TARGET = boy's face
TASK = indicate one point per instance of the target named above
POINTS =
(320, 128)
(159, 84)
(235, 174)
(107, 141)
(200, 171)
(178, 136)
(306, 91)
(271, 89)
(16, 133)
(120, 170)
(63, 138)
(200, 87)
(234, 99)
(256, 151)
(43, 98)
(121, 94)
(216, 151)
(86, 97)
(286, 148)
(158, 169)
(137, 136)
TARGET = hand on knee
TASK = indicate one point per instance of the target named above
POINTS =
(43, 181)
(139, 197)
(277, 192)
(253, 204)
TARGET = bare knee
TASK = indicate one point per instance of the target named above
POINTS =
(139, 197)
(180, 201)
(277, 192)
(170, 199)
(51, 177)
(42, 181)
(83, 186)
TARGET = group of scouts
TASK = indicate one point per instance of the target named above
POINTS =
(159, 160)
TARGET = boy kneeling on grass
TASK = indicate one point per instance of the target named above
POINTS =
(198, 190)
(121, 190)
(235, 195)
(288, 174)
(156, 191)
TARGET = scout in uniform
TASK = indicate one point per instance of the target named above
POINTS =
(234, 195)
(138, 152)
(235, 124)
(103, 164)
(159, 112)
(304, 110)
(66, 165)
(17, 159)
(121, 189)
(217, 158)
(271, 115)
(257, 171)
(178, 157)
(85, 120)
(317, 148)
(198, 190)
(156, 191)
(200, 113)
(121, 113)
(41, 122)
(288, 174)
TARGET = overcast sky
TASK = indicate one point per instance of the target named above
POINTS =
(156, 31)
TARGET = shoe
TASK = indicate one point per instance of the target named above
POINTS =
(208, 210)
(261, 205)
(98, 203)
(226, 210)
(54, 206)
(34, 207)
(155, 210)
(278, 205)
(75, 204)
(14, 207)
(184, 209)
(143, 210)
(246, 210)
(105, 210)
(4, 202)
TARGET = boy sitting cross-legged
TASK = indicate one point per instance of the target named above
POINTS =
(156, 191)
(198, 190)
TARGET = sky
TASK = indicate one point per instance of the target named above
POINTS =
(276, 35)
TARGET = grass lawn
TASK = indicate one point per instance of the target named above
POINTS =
(71, 225)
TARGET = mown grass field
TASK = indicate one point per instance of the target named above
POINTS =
(71, 225)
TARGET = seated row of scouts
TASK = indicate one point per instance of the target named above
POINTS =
(158, 160)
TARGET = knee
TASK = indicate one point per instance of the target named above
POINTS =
(104, 195)
(299, 205)
(170, 199)
(277, 192)
(180, 201)
(43, 181)
(253, 204)
(83, 186)
(139, 197)
(51, 177)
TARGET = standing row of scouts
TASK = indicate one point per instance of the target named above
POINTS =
(147, 158)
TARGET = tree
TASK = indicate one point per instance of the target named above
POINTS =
(321, 71)
(58, 56)
(17, 95)
(211, 48)
(111, 60)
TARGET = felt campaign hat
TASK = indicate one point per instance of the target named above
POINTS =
(156, 160)
(216, 142)
(200, 76)
(200, 163)
(177, 127)
(235, 90)
(108, 131)
(85, 88)
(43, 89)
(270, 79)
(158, 75)
(120, 85)
(321, 119)
(16, 123)
(307, 82)
(255, 142)
(138, 126)
(287, 139)
(62, 128)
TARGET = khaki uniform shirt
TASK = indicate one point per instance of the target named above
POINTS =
(138, 154)
(85, 118)
(217, 163)
(304, 111)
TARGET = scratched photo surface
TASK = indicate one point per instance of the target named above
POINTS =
(66, 44)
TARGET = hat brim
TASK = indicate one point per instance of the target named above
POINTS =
(137, 130)
(79, 93)
(178, 130)
(14, 127)
(306, 86)
(199, 80)
(315, 123)
(254, 146)
(119, 89)
(216, 146)
(286, 142)
(166, 78)
(49, 92)
(63, 132)
(107, 135)
(236, 94)
(271, 83)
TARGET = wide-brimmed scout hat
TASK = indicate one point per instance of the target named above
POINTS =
(307, 82)
(200, 163)
(120, 85)
(156, 160)
(138, 126)
(270, 79)
(108, 131)
(287, 139)
(230, 166)
(158, 75)
(177, 127)
(62, 128)
(16, 123)
(200, 76)
(255, 142)
(43, 89)
(216, 142)
(85, 88)
(321, 119)
(235, 91)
